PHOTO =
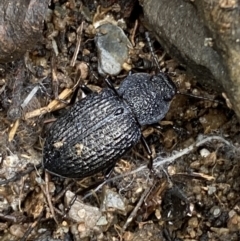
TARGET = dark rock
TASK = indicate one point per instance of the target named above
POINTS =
(204, 36)
(21, 24)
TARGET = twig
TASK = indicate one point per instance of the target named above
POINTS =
(12, 218)
(62, 193)
(133, 33)
(54, 75)
(134, 212)
(159, 161)
(32, 226)
(53, 105)
(48, 197)
(30, 96)
(79, 39)
(13, 130)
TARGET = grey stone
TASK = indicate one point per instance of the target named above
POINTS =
(204, 36)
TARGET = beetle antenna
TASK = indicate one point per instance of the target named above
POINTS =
(199, 97)
(150, 46)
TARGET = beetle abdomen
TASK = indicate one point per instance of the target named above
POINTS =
(91, 137)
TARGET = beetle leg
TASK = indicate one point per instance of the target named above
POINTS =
(74, 96)
(147, 148)
(111, 86)
(130, 73)
(108, 172)
(86, 90)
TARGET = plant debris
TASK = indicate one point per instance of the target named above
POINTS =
(194, 193)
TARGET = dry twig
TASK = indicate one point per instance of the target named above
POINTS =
(133, 33)
(79, 39)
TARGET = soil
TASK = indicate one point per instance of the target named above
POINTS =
(193, 192)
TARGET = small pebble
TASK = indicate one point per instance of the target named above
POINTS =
(204, 152)
(216, 211)
(211, 190)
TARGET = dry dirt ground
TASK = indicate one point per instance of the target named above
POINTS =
(194, 193)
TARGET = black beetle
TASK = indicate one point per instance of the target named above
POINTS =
(101, 128)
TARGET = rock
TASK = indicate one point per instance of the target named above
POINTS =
(202, 35)
(113, 202)
(81, 212)
(233, 223)
(112, 46)
(18, 230)
(21, 25)
(86, 216)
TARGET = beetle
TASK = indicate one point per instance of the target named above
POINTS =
(102, 127)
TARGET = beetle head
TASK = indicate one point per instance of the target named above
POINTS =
(149, 97)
